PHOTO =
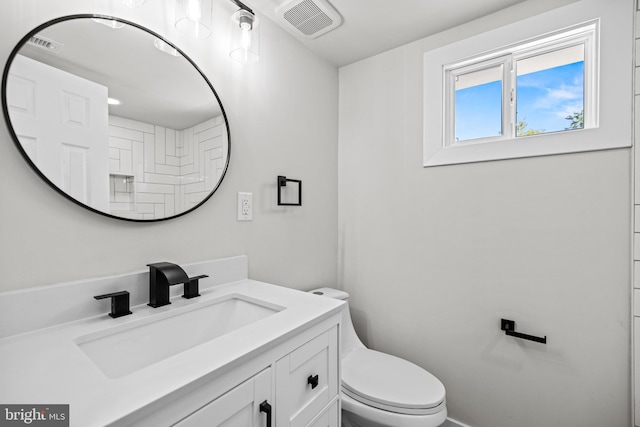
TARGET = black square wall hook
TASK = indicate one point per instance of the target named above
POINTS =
(282, 182)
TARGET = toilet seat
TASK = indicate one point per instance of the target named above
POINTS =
(389, 383)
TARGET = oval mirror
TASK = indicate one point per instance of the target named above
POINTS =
(115, 118)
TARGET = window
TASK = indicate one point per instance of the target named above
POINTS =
(552, 83)
(536, 87)
(478, 99)
(550, 91)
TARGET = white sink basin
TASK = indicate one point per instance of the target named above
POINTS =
(124, 349)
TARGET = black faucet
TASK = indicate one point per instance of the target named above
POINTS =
(162, 275)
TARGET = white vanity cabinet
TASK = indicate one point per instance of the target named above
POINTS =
(298, 387)
(307, 380)
(239, 407)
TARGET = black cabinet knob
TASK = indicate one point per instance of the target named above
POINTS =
(313, 380)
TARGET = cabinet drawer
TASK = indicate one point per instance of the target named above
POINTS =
(307, 380)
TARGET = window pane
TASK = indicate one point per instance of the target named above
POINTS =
(478, 104)
(550, 92)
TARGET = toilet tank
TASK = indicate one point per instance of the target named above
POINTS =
(348, 337)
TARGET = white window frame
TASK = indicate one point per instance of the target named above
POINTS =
(508, 57)
(586, 35)
(450, 73)
(607, 98)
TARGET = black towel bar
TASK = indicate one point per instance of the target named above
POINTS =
(509, 328)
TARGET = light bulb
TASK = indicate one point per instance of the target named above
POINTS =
(245, 20)
(245, 41)
(193, 10)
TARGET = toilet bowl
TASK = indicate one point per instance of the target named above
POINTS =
(381, 390)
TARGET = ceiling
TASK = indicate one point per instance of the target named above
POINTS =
(373, 26)
(368, 27)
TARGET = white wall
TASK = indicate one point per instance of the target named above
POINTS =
(434, 257)
(283, 120)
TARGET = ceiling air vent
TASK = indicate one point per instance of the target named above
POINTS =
(308, 18)
(45, 43)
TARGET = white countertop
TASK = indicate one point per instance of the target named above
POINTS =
(46, 366)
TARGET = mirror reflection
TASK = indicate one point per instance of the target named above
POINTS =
(116, 118)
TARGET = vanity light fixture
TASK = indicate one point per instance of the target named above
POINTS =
(245, 39)
(133, 3)
(165, 47)
(111, 23)
(193, 17)
(113, 101)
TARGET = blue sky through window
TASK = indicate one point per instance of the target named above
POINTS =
(544, 99)
(479, 111)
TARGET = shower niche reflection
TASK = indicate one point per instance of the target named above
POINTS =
(122, 197)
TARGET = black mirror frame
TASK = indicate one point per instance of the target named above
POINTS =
(5, 111)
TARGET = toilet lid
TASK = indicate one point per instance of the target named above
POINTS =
(390, 383)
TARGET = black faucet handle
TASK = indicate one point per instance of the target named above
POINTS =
(191, 287)
(119, 303)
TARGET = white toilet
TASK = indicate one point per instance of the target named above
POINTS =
(380, 390)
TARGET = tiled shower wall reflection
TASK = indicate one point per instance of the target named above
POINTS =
(170, 170)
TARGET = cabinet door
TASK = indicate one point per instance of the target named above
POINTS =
(330, 417)
(307, 380)
(239, 407)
